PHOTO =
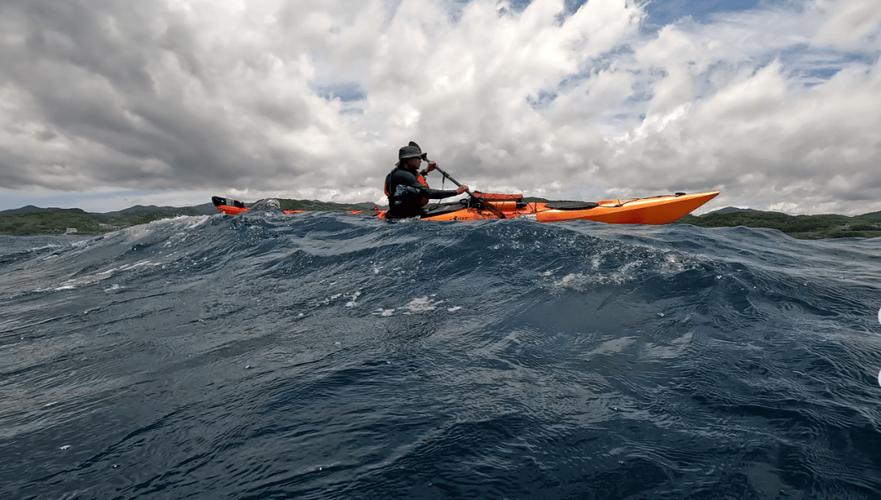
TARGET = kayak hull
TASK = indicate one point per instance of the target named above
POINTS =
(653, 210)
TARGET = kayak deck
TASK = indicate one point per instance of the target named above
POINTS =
(652, 210)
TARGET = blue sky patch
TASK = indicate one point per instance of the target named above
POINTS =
(345, 91)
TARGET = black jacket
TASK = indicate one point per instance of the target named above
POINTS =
(407, 196)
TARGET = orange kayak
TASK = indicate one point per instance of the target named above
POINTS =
(653, 210)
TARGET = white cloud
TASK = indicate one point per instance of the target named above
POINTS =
(848, 25)
(313, 98)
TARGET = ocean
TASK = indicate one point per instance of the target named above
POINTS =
(334, 356)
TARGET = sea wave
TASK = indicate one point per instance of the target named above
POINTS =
(333, 356)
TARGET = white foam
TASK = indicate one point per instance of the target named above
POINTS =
(185, 222)
(566, 281)
(454, 309)
(673, 264)
(422, 304)
(580, 281)
(44, 247)
(385, 312)
(354, 301)
(99, 276)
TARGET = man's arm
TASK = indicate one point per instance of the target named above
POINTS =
(436, 194)
(409, 179)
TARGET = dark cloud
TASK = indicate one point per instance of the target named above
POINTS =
(116, 82)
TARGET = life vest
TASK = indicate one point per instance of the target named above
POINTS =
(423, 200)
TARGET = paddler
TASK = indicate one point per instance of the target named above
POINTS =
(407, 190)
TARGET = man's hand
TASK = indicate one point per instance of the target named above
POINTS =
(461, 189)
(431, 166)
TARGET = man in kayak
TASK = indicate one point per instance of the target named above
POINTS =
(406, 187)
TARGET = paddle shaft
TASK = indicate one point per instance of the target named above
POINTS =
(489, 206)
(450, 177)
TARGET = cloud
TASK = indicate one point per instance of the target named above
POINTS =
(851, 25)
(776, 104)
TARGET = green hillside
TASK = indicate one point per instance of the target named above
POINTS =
(798, 226)
(322, 206)
(48, 221)
(35, 220)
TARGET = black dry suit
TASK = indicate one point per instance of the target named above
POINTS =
(408, 193)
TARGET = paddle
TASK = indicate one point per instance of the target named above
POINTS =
(489, 206)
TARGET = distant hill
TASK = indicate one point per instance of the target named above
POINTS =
(30, 209)
(36, 220)
(138, 210)
(321, 206)
(730, 210)
(798, 226)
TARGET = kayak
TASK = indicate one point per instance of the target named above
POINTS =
(236, 207)
(662, 209)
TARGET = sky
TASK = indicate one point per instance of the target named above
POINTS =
(109, 103)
